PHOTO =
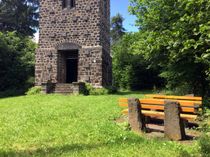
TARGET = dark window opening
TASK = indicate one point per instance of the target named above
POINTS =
(64, 4)
(72, 3)
(68, 4)
(72, 67)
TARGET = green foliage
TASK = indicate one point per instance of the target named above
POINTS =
(34, 91)
(90, 90)
(130, 70)
(124, 125)
(16, 61)
(206, 102)
(204, 143)
(176, 38)
(204, 125)
(16, 48)
(117, 29)
(112, 89)
(99, 91)
(19, 15)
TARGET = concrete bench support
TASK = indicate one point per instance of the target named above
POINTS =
(174, 126)
(136, 118)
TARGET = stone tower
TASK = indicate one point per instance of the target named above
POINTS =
(74, 43)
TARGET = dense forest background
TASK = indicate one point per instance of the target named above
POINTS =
(18, 23)
(171, 51)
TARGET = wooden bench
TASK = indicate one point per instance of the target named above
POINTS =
(154, 106)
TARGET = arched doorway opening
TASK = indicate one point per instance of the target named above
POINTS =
(68, 58)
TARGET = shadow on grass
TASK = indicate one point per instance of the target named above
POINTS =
(69, 148)
(11, 93)
(50, 151)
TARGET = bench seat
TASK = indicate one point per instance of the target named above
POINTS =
(153, 106)
(160, 115)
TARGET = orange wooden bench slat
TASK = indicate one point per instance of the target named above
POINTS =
(182, 102)
(124, 102)
(174, 97)
(160, 115)
(155, 107)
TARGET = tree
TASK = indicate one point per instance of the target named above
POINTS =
(16, 61)
(176, 39)
(117, 29)
(131, 70)
(19, 15)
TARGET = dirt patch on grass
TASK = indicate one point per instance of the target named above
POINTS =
(155, 129)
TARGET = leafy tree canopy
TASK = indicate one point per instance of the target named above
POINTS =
(176, 38)
(131, 70)
(16, 61)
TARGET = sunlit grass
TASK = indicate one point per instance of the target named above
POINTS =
(57, 125)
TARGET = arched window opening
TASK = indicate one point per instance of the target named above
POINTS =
(68, 4)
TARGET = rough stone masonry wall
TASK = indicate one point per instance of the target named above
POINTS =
(90, 65)
(105, 42)
(82, 26)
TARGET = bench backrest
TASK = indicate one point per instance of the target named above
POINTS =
(188, 98)
(187, 106)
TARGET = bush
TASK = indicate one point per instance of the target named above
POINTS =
(99, 91)
(206, 102)
(90, 90)
(34, 91)
(204, 143)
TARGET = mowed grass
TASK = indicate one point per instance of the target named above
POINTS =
(57, 125)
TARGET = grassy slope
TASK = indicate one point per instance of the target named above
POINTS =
(55, 125)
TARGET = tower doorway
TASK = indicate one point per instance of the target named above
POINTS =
(68, 66)
(72, 68)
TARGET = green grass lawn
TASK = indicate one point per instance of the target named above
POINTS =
(57, 125)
